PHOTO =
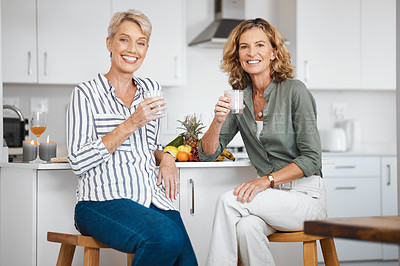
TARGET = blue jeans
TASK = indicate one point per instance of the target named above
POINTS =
(156, 237)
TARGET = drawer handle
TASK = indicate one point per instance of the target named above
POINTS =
(191, 181)
(388, 175)
(345, 188)
(45, 64)
(29, 63)
(345, 166)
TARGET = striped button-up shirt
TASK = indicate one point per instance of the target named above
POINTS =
(129, 172)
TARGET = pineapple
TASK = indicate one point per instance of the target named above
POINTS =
(192, 127)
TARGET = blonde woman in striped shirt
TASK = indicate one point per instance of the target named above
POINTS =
(112, 138)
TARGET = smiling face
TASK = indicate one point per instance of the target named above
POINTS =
(255, 52)
(128, 48)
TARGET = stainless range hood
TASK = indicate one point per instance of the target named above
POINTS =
(228, 14)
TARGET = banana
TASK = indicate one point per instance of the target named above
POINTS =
(220, 158)
(225, 154)
(228, 154)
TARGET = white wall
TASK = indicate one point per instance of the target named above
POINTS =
(375, 110)
(58, 100)
(205, 83)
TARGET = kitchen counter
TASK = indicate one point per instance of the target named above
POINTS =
(241, 162)
(61, 166)
(366, 150)
(33, 166)
(47, 197)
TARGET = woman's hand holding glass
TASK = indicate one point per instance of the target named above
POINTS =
(147, 111)
(222, 109)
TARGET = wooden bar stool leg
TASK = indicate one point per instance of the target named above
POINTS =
(329, 252)
(129, 259)
(310, 256)
(66, 255)
(91, 257)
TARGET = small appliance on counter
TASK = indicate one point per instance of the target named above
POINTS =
(352, 129)
(333, 140)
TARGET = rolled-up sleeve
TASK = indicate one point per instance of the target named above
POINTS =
(228, 131)
(307, 136)
(85, 150)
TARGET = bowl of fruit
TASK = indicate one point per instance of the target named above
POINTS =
(185, 145)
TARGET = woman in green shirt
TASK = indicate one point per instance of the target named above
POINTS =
(279, 130)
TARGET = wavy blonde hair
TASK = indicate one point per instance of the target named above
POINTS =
(281, 66)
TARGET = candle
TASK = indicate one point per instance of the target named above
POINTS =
(47, 150)
(29, 150)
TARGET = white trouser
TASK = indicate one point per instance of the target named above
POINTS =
(243, 227)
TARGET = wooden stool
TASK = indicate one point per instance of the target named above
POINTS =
(69, 243)
(310, 256)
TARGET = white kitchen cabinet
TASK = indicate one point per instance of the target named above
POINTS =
(46, 196)
(165, 59)
(33, 202)
(200, 188)
(389, 199)
(353, 190)
(378, 44)
(54, 41)
(18, 26)
(341, 44)
(328, 46)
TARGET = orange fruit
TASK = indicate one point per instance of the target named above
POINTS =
(182, 156)
(191, 157)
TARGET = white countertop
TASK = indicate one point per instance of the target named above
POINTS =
(42, 166)
(61, 166)
(370, 151)
(367, 151)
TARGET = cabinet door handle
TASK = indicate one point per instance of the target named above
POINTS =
(29, 63)
(388, 174)
(45, 64)
(345, 166)
(306, 71)
(345, 188)
(191, 182)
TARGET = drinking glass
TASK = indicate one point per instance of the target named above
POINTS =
(154, 93)
(236, 103)
(38, 126)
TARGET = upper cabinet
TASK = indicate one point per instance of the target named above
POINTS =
(378, 44)
(341, 44)
(18, 26)
(54, 41)
(165, 59)
(64, 42)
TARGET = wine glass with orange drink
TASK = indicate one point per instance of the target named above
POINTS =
(38, 126)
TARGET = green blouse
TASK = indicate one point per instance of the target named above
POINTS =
(289, 131)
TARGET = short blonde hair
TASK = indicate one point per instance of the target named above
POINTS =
(281, 66)
(133, 16)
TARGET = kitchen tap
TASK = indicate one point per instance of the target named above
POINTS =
(16, 110)
(14, 129)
